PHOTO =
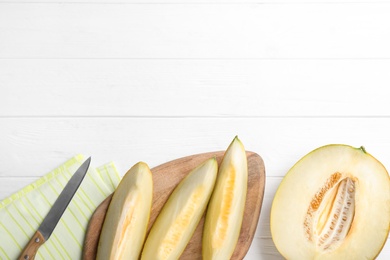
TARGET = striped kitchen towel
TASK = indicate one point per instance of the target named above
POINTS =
(22, 212)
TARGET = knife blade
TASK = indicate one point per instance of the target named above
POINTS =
(55, 213)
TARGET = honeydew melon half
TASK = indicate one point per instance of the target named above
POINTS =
(334, 203)
(226, 209)
(125, 225)
(180, 215)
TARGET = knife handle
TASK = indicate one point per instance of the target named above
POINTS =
(32, 247)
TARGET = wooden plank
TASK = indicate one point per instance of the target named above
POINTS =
(10, 185)
(34, 146)
(250, 31)
(194, 87)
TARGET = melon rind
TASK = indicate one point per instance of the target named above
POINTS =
(370, 227)
(125, 225)
(180, 215)
(226, 208)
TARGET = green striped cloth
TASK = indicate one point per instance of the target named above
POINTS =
(22, 213)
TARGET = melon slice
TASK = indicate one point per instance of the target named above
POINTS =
(124, 228)
(181, 214)
(226, 209)
(332, 204)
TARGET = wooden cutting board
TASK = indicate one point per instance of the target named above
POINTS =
(165, 179)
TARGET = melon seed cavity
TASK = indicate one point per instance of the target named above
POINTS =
(330, 213)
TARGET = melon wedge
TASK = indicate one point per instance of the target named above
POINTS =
(181, 214)
(226, 209)
(124, 228)
(334, 203)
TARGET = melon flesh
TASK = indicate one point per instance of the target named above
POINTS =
(226, 209)
(334, 203)
(124, 228)
(178, 219)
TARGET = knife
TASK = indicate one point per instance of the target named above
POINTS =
(50, 221)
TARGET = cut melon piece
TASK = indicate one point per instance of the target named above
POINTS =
(181, 214)
(334, 203)
(226, 209)
(124, 228)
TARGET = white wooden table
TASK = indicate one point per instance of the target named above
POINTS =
(155, 80)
